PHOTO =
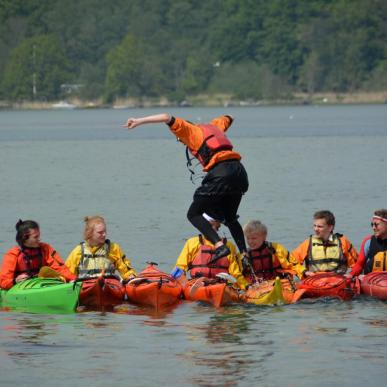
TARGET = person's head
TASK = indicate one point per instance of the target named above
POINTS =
(255, 232)
(214, 223)
(27, 233)
(379, 223)
(95, 230)
(323, 224)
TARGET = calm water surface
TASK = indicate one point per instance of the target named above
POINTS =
(58, 166)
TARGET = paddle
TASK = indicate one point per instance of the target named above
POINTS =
(246, 261)
(48, 272)
(226, 277)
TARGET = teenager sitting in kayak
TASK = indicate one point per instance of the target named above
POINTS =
(373, 249)
(266, 260)
(198, 258)
(325, 251)
(97, 255)
(226, 181)
(25, 260)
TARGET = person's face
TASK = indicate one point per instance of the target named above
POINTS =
(255, 239)
(33, 238)
(98, 235)
(321, 229)
(379, 227)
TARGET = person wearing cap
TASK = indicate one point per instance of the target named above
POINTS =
(29, 256)
(373, 248)
(325, 251)
(266, 260)
(226, 180)
(97, 254)
(198, 258)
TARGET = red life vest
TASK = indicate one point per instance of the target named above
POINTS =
(29, 261)
(214, 141)
(200, 266)
(264, 262)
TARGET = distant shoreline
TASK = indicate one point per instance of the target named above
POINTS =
(203, 100)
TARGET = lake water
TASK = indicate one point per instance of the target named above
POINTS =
(58, 166)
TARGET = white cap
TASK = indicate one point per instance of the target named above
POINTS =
(208, 217)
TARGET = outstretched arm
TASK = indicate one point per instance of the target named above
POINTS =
(154, 119)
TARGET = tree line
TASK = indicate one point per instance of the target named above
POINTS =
(250, 49)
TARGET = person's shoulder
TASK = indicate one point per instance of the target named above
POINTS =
(14, 250)
(278, 246)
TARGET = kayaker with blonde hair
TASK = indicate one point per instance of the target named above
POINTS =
(325, 251)
(97, 255)
(25, 260)
(373, 249)
(266, 260)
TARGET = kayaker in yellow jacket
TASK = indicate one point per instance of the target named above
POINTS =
(197, 255)
(97, 255)
(267, 259)
(325, 251)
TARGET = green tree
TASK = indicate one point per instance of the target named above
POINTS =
(36, 70)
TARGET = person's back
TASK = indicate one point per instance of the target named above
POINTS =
(197, 258)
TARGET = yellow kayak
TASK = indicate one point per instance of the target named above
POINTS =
(265, 293)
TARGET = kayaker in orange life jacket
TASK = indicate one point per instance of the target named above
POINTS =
(373, 249)
(97, 254)
(325, 251)
(266, 259)
(226, 180)
(197, 258)
(25, 260)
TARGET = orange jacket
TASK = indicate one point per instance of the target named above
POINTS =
(192, 136)
(12, 264)
(300, 253)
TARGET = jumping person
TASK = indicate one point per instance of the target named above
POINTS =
(226, 180)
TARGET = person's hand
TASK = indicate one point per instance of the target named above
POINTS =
(309, 274)
(21, 277)
(132, 123)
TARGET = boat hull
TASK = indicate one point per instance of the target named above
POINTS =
(154, 288)
(327, 285)
(102, 292)
(374, 284)
(207, 290)
(42, 295)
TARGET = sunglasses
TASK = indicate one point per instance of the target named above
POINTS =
(376, 225)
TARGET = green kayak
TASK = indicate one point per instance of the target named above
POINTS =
(42, 295)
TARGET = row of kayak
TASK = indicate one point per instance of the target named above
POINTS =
(158, 290)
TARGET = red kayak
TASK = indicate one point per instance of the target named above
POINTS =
(102, 292)
(374, 284)
(327, 285)
(210, 290)
(152, 287)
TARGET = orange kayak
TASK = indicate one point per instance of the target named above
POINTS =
(374, 284)
(210, 291)
(327, 285)
(102, 292)
(152, 287)
(272, 292)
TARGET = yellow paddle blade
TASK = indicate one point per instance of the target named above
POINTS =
(48, 272)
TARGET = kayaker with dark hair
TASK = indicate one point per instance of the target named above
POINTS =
(25, 260)
(96, 254)
(373, 249)
(266, 260)
(226, 181)
(198, 258)
(325, 251)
